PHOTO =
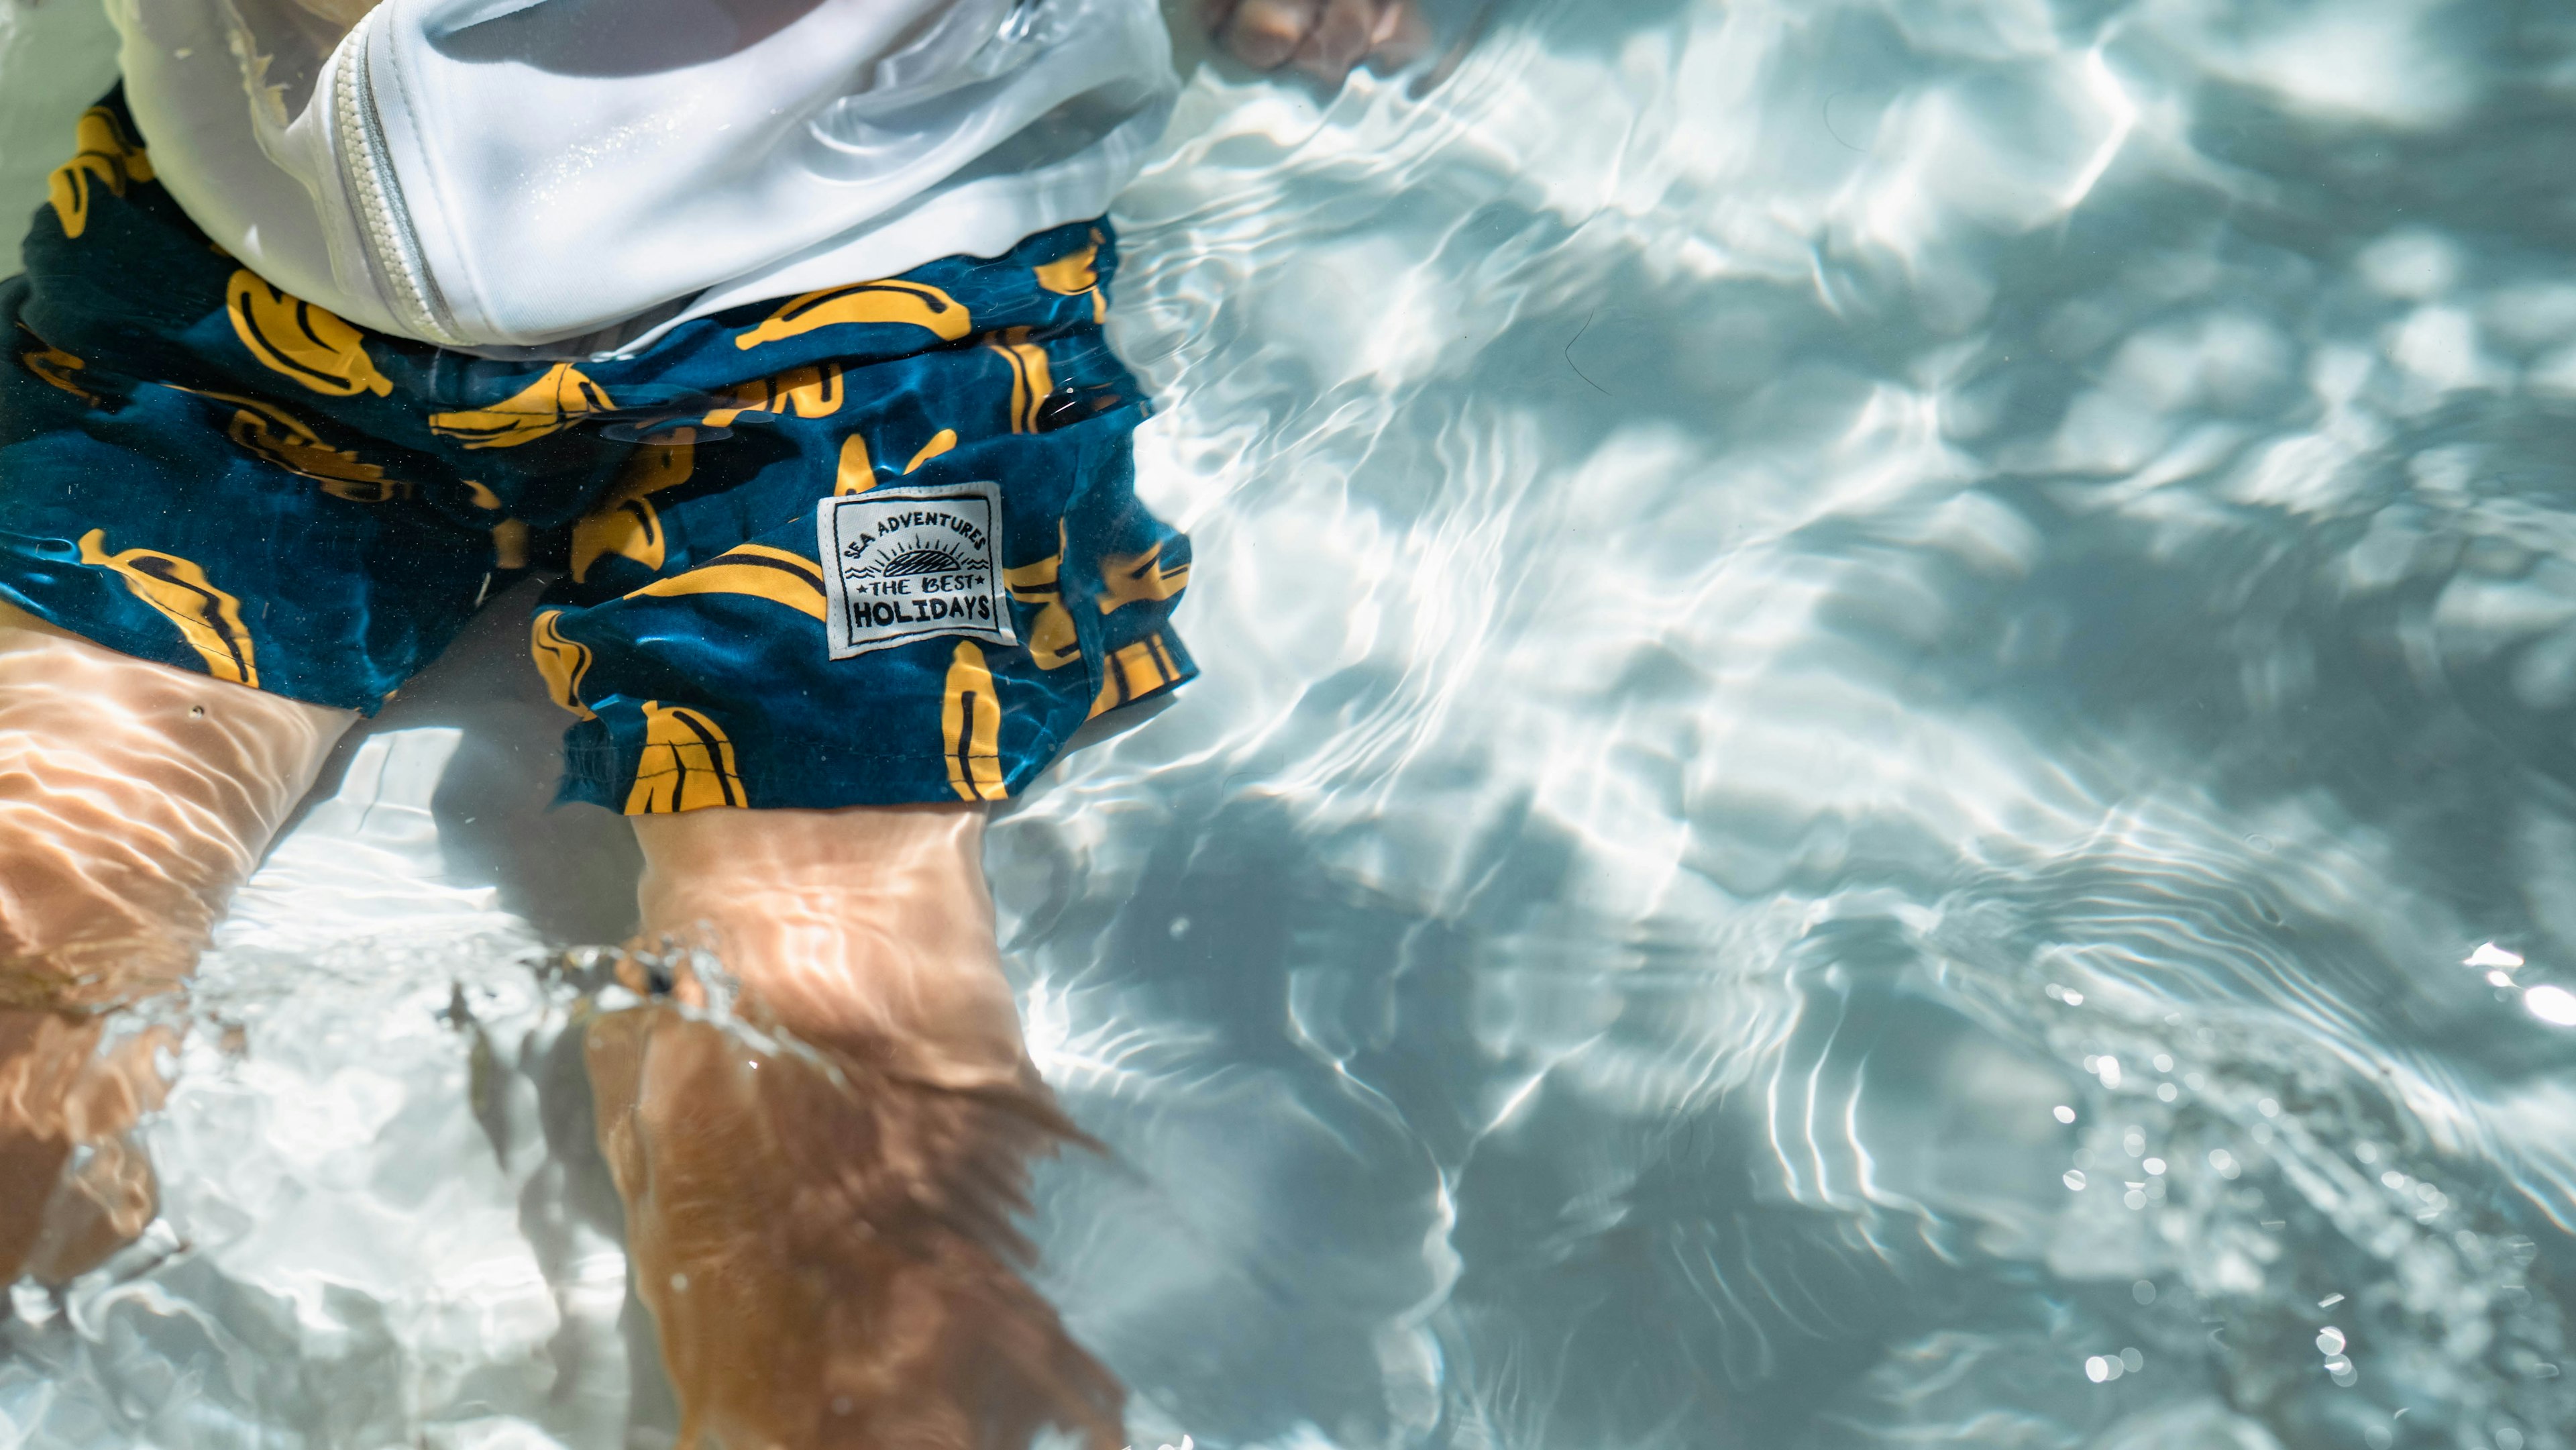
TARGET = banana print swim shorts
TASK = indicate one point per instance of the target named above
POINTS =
(873, 544)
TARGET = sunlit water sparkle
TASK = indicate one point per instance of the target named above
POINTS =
(1884, 762)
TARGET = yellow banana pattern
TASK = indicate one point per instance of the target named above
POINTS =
(1031, 381)
(970, 727)
(562, 661)
(626, 523)
(757, 570)
(1076, 273)
(687, 764)
(56, 367)
(1139, 578)
(293, 337)
(813, 392)
(1051, 641)
(554, 402)
(1135, 672)
(102, 155)
(915, 303)
(940, 442)
(208, 618)
(857, 472)
(272, 433)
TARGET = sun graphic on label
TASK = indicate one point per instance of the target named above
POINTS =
(918, 560)
(913, 564)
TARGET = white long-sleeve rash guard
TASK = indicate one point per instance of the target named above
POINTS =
(575, 176)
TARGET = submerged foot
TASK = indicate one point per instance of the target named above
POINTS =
(828, 1250)
(74, 1186)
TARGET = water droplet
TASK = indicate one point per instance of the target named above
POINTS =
(2134, 1199)
(2075, 1179)
(2132, 1359)
(2101, 1367)
(2164, 1063)
(2109, 1066)
(2154, 1165)
(2166, 1092)
(2268, 1108)
(2329, 1341)
(2063, 1113)
(2144, 1291)
(2366, 1152)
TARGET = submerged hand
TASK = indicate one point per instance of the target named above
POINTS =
(1324, 38)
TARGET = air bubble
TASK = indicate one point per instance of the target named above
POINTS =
(2144, 1291)
(2329, 1341)
(2133, 1359)
(2223, 1163)
(2154, 1165)
(2062, 1113)
(2074, 1180)
(2166, 1092)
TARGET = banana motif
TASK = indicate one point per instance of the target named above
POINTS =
(912, 302)
(940, 442)
(1134, 672)
(1031, 380)
(626, 523)
(1075, 273)
(55, 366)
(777, 575)
(857, 472)
(970, 727)
(809, 392)
(686, 765)
(552, 403)
(292, 336)
(562, 661)
(1139, 578)
(102, 155)
(270, 432)
(208, 618)
(1051, 641)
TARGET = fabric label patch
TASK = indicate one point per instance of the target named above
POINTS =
(914, 563)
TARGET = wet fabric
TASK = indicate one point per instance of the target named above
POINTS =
(199, 469)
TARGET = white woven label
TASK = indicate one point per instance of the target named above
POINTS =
(914, 563)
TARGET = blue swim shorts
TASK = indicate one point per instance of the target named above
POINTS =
(873, 544)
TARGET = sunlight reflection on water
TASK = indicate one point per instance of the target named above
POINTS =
(1886, 724)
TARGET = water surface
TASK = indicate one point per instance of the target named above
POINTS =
(1884, 763)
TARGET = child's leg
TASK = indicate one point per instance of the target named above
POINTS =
(826, 1241)
(133, 798)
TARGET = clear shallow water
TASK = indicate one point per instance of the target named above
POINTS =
(1789, 590)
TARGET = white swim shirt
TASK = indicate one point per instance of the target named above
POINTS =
(576, 176)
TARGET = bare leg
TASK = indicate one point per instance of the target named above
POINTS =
(1324, 38)
(133, 799)
(825, 1238)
